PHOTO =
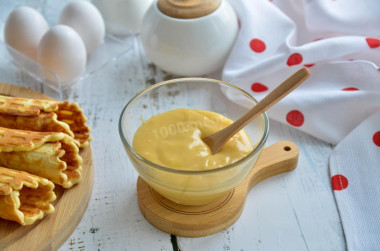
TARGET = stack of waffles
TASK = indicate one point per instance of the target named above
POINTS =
(39, 147)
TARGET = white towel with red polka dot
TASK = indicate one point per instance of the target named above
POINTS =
(355, 165)
(339, 41)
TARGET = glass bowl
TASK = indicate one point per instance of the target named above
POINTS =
(184, 186)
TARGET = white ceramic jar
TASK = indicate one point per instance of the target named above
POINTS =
(189, 47)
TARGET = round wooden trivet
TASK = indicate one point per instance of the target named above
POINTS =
(198, 221)
(186, 9)
(71, 204)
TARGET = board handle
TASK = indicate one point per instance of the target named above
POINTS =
(276, 159)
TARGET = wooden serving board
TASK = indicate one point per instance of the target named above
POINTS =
(70, 206)
(198, 221)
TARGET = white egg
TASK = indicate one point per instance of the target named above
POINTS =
(24, 29)
(86, 19)
(62, 51)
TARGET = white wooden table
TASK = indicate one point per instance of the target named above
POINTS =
(293, 211)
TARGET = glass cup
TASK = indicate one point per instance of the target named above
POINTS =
(192, 187)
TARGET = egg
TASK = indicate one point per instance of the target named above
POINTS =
(86, 19)
(24, 29)
(62, 51)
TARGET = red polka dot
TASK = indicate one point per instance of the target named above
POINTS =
(257, 45)
(350, 59)
(339, 182)
(258, 87)
(309, 65)
(373, 42)
(376, 138)
(317, 39)
(350, 89)
(295, 118)
(294, 59)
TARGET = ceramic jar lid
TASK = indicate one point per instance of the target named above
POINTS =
(186, 9)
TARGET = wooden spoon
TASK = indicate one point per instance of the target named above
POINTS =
(217, 140)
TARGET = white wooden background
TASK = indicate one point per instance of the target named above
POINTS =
(293, 211)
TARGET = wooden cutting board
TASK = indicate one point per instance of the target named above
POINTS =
(203, 220)
(70, 206)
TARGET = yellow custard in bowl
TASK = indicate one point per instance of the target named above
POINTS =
(174, 139)
(162, 128)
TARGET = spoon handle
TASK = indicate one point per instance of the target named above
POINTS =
(219, 138)
(272, 98)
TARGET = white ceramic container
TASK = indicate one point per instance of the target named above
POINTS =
(189, 47)
(123, 16)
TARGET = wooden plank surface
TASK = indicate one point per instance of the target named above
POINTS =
(293, 211)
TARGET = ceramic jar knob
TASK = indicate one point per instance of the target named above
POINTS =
(187, 8)
(189, 37)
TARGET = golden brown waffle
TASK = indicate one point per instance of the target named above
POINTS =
(24, 197)
(45, 116)
(54, 156)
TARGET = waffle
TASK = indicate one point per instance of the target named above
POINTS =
(24, 198)
(45, 116)
(51, 155)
